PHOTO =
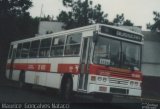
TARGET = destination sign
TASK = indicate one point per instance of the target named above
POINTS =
(120, 33)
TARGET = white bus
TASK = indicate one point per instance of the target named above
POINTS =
(97, 59)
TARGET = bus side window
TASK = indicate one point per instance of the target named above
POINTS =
(25, 50)
(18, 53)
(34, 49)
(57, 46)
(45, 47)
(10, 52)
(72, 46)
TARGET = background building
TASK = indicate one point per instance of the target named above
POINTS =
(46, 27)
(151, 54)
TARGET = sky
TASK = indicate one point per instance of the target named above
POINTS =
(140, 12)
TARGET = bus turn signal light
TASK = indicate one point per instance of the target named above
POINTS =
(136, 75)
(102, 88)
(93, 78)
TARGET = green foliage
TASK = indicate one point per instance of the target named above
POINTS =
(156, 19)
(82, 13)
(127, 23)
(156, 16)
(67, 3)
(14, 7)
(15, 24)
(120, 20)
(15, 20)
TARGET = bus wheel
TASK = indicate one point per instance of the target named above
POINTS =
(66, 90)
(21, 82)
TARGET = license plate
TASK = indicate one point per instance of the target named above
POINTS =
(103, 89)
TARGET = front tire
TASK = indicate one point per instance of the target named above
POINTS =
(66, 89)
(21, 82)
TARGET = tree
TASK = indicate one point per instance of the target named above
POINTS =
(82, 13)
(15, 24)
(14, 7)
(46, 18)
(156, 19)
(127, 23)
(120, 20)
(156, 16)
(13, 14)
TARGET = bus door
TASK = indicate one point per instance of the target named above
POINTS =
(12, 61)
(84, 64)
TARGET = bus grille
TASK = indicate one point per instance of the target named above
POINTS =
(119, 91)
(121, 74)
(118, 81)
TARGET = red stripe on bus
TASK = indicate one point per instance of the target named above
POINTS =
(75, 69)
(31, 67)
(68, 68)
(114, 72)
(100, 70)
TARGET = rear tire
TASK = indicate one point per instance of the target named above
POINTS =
(21, 82)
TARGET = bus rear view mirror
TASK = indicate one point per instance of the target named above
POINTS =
(95, 36)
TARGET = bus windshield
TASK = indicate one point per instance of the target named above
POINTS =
(111, 52)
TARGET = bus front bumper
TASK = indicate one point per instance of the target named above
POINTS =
(95, 88)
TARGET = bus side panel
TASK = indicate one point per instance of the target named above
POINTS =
(30, 77)
(15, 75)
(75, 82)
(7, 73)
(54, 64)
(53, 80)
(7, 68)
(73, 60)
(16, 72)
(40, 77)
(54, 77)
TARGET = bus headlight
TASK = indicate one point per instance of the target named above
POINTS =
(131, 83)
(136, 83)
(136, 75)
(93, 78)
(99, 78)
(104, 79)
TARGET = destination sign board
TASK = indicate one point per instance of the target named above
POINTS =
(121, 34)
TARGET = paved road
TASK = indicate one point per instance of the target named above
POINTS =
(10, 92)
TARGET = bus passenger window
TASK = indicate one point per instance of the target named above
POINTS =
(18, 53)
(72, 46)
(57, 46)
(34, 49)
(25, 50)
(45, 47)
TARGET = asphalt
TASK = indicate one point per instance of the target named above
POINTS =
(148, 94)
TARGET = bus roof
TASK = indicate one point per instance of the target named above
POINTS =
(80, 29)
